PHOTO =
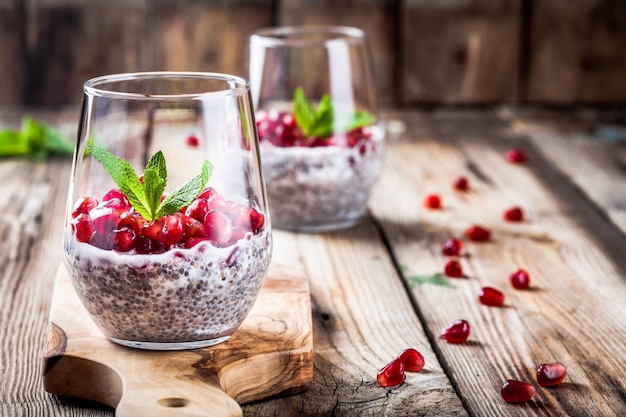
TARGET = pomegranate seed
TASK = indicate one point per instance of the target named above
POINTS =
(190, 243)
(104, 219)
(432, 201)
(84, 205)
(152, 230)
(514, 214)
(458, 332)
(478, 233)
(145, 245)
(392, 374)
(102, 241)
(193, 141)
(461, 184)
(207, 193)
(131, 220)
(173, 230)
(516, 156)
(198, 209)
(83, 227)
(550, 374)
(218, 227)
(453, 269)
(125, 240)
(118, 194)
(491, 297)
(452, 247)
(193, 228)
(517, 391)
(412, 360)
(520, 280)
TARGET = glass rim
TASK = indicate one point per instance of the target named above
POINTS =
(93, 85)
(277, 36)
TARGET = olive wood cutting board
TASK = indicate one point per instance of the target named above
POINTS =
(270, 355)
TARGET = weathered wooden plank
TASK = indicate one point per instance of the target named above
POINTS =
(12, 52)
(573, 312)
(460, 51)
(210, 36)
(377, 18)
(577, 52)
(71, 41)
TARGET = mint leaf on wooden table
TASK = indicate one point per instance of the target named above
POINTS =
(146, 198)
(435, 279)
(35, 140)
(322, 122)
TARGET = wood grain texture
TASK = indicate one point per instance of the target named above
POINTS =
(573, 312)
(577, 52)
(377, 18)
(13, 62)
(270, 354)
(207, 35)
(461, 51)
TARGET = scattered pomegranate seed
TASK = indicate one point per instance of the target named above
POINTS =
(392, 374)
(412, 360)
(520, 280)
(452, 247)
(517, 391)
(516, 156)
(193, 141)
(453, 269)
(550, 374)
(514, 214)
(461, 184)
(458, 332)
(491, 297)
(432, 201)
(478, 233)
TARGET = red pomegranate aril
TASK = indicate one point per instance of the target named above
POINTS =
(452, 247)
(84, 205)
(104, 219)
(520, 279)
(517, 391)
(102, 241)
(550, 374)
(516, 156)
(193, 141)
(207, 193)
(125, 240)
(478, 233)
(193, 228)
(412, 360)
(453, 269)
(83, 227)
(461, 184)
(218, 227)
(391, 374)
(432, 201)
(152, 230)
(514, 214)
(191, 242)
(491, 297)
(458, 332)
(172, 231)
(116, 193)
(131, 220)
(198, 209)
(216, 202)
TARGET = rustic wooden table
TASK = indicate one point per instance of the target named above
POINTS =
(367, 302)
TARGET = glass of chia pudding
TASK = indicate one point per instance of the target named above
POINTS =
(168, 238)
(320, 131)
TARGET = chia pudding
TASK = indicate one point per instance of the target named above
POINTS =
(319, 185)
(182, 295)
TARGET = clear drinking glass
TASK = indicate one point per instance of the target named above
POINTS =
(320, 130)
(172, 264)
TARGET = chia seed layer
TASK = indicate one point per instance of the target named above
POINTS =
(182, 295)
(309, 187)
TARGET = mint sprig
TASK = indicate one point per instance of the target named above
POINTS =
(323, 121)
(146, 198)
(34, 139)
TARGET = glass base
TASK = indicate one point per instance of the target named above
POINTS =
(169, 346)
(316, 227)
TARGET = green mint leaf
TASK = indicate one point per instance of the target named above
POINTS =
(154, 186)
(303, 111)
(13, 144)
(322, 125)
(435, 279)
(185, 194)
(157, 161)
(125, 177)
(36, 140)
(359, 118)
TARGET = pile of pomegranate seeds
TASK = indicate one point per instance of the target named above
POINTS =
(457, 332)
(432, 201)
(517, 391)
(550, 374)
(514, 214)
(520, 280)
(516, 156)
(491, 297)
(393, 373)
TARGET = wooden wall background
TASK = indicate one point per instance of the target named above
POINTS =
(427, 52)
